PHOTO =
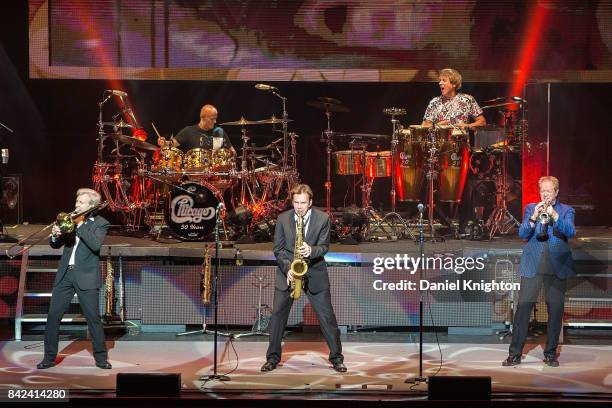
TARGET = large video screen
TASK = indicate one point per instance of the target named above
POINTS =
(319, 40)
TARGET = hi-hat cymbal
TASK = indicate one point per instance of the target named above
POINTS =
(501, 98)
(332, 107)
(241, 122)
(273, 120)
(394, 111)
(132, 141)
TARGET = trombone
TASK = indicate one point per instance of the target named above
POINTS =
(65, 222)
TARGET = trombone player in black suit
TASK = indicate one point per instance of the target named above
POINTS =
(78, 273)
(315, 226)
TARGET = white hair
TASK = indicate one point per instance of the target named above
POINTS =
(94, 197)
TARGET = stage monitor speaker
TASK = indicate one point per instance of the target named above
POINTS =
(148, 384)
(10, 199)
(459, 388)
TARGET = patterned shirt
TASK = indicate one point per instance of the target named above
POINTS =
(462, 108)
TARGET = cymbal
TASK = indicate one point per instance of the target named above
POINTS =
(241, 122)
(273, 120)
(394, 111)
(366, 136)
(501, 98)
(120, 124)
(498, 105)
(136, 143)
(327, 99)
(332, 107)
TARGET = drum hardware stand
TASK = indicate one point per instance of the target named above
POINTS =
(419, 378)
(501, 220)
(431, 175)
(216, 333)
(396, 127)
(328, 135)
(258, 329)
(4, 237)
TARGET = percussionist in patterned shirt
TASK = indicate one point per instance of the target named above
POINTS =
(453, 108)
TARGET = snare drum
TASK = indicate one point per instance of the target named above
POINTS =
(197, 160)
(378, 164)
(170, 159)
(348, 162)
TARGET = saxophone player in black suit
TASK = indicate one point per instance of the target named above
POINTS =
(78, 273)
(315, 225)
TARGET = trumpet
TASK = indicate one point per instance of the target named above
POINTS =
(543, 217)
(65, 222)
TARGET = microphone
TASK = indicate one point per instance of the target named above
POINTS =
(117, 93)
(420, 207)
(264, 87)
(518, 99)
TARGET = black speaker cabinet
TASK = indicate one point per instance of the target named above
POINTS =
(459, 388)
(148, 384)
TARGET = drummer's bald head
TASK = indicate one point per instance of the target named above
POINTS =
(207, 111)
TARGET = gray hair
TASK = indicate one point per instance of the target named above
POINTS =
(94, 197)
(552, 179)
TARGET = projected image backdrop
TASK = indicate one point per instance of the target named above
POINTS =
(320, 40)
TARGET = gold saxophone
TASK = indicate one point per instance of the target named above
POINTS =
(298, 267)
(206, 278)
(109, 290)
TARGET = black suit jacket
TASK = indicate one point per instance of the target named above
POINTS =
(317, 237)
(87, 257)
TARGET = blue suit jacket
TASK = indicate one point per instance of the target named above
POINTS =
(559, 233)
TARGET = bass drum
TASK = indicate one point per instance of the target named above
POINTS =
(191, 210)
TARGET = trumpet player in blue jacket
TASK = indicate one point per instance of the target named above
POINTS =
(546, 261)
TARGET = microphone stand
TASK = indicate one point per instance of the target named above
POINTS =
(420, 379)
(215, 375)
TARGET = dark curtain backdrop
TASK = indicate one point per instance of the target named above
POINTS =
(54, 144)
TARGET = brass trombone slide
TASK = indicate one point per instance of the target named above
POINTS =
(65, 221)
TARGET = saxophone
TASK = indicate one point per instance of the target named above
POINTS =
(206, 278)
(109, 290)
(298, 267)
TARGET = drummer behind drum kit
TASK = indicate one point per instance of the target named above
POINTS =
(184, 190)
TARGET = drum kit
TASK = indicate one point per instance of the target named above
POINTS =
(181, 191)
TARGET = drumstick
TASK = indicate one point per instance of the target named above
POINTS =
(155, 129)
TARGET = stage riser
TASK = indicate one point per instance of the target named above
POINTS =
(162, 291)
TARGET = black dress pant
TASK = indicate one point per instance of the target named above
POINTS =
(321, 303)
(61, 297)
(554, 291)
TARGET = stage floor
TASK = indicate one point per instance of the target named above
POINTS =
(594, 240)
(379, 367)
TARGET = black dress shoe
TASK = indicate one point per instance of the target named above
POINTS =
(551, 361)
(511, 361)
(43, 365)
(339, 367)
(268, 366)
(105, 365)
